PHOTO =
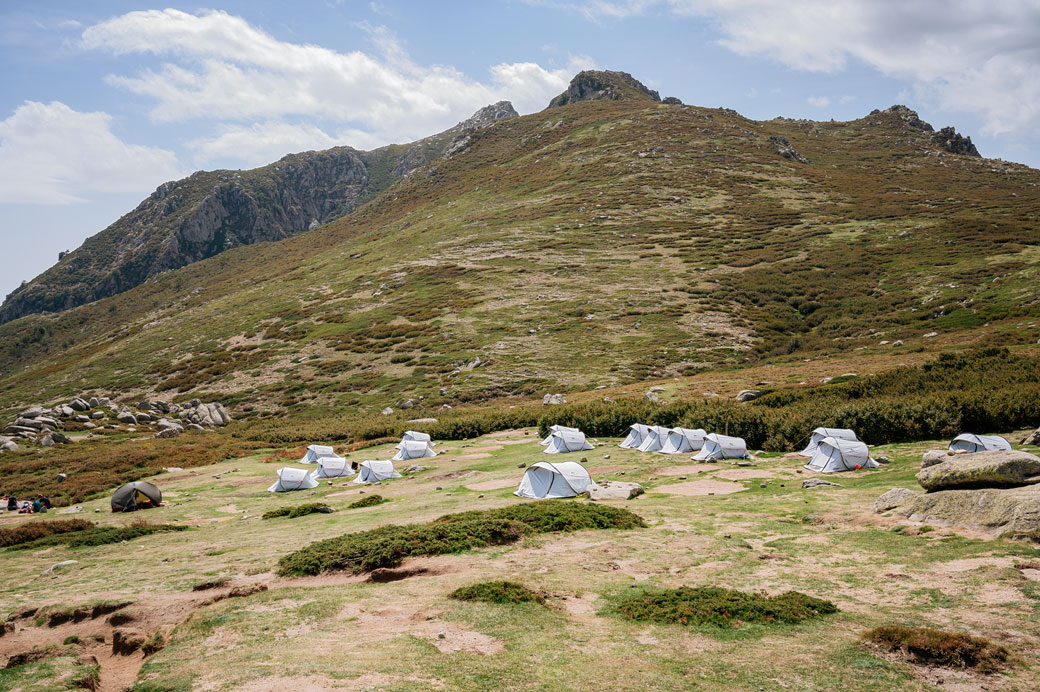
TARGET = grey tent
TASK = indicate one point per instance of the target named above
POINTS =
(290, 479)
(375, 471)
(317, 452)
(979, 443)
(136, 495)
(543, 480)
(681, 440)
(834, 454)
(563, 441)
(820, 434)
(654, 439)
(332, 467)
(636, 433)
(722, 447)
(556, 429)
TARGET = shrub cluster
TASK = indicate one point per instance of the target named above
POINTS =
(936, 647)
(498, 592)
(35, 530)
(369, 501)
(99, 535)
(297, 510)
(721, 607)
(388, 545)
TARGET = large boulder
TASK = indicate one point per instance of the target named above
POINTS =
(934, 456)
(614, 490)
(9, 446)
(1012, 509)
(993, 469)
(29, 423)
(168, 433)
(206, 415)
(1033, 438)
(749, 394)
(553, 399)
(79, 404)
(896, 497)
(31, 412)
(126, 417)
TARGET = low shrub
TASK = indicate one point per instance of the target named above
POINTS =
(35, 530)
(369, 501)
(498, 592)
(297, 510)
(388, 545)
(720, 607)
(99, 535)
(937, 647)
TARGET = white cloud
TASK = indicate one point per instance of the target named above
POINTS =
(51, 154)
(220, 67)
(975, 56)
(818, 101)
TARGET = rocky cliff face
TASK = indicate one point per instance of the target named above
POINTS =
(209, 212)
(604, 85)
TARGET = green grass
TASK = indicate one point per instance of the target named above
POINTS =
(720, 607)
(498, 592)
(99, 535)
(388, 545)
(928, 646)
(294, 511)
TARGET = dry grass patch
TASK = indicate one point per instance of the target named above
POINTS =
(928, 646)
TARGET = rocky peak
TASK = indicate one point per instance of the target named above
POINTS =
(947, 138)
(908, 116)
(604, 85)
(488, 115)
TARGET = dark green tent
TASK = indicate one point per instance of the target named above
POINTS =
(134, 496)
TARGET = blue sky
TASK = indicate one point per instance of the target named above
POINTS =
(101, 102)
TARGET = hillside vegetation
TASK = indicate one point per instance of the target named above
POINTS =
(597, 243)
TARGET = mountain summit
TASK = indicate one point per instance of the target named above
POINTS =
(604, 85)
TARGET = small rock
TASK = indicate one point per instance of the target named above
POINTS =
(749, 394)
(614, 490)
(521, 465)
(58, 566)
(817, 483)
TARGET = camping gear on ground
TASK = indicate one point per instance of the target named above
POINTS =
(654, 439)
(968, 442)
(544, 480)
(413, 436)
(332, 467)
(413, 449)
(722, 447)
(136, 495)
(316, 452)
(680, 440)
(555, 429)
(834, 454)
(375, 471)
(564, 441)
(819, 434)
(636, 433)
(292, 479)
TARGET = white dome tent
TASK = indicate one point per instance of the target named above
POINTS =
(553, 429)
(564, 441)
(375, 471)
(835, 454)
(968, 442)
(722, 447)
(292, 479)
(820, 434)
(413, 449)
(636, 433)
(543, 480)
(413, 436)
(680, 440)
(654, 439)
(332, 467)
(317, 452)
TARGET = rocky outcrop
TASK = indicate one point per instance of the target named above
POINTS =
(947, 138)
(1032, 438)
(485, 117)
(784, 148)
(553, 400)
(206, 415)
(993, 469)
(604, 85)
(894, 498)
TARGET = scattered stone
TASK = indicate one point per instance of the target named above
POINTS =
(124, 416)
(895, 497)
(387, 411)
(59, 566)
(195, 426)
(810, 483)
(9, 446)
(167, 433)
(614, 490)
(651, 397)
(929, 335)
(784, 148)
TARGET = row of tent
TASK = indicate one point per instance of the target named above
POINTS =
(656, 438)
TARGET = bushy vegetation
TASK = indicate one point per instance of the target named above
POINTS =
(99, 535)
(989, 389)
(34, 530)
(297, 510)
(720, 607)
(498, 592)
(937, 647)
(388, 545)
(369, 501)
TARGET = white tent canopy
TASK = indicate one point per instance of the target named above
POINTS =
(332, 467)
(292, 479)
(835, 454)
(722, 447)
(413, 449)
(564, 441)
(543, 480)
(654, 439)
(553, 429)
(681, 440)
(968, 442)
(820, 434)
(636, 433)
(316, 452)
(413, 436)
(375, 471)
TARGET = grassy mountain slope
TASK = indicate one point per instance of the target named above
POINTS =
(601, 242)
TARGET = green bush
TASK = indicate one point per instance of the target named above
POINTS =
(369, 501)
(296, 510)
(388, 545)
(99, 536)
(936, 647)
(498, 592)
(720, 607)
(35, 530)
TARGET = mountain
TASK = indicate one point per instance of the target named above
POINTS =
(209, 212)
(604, 85)
(599, 242)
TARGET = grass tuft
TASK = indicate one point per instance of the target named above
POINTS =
(388, 545)
(937, 647)
(498, 592)
(721, 607)
(297, 510)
